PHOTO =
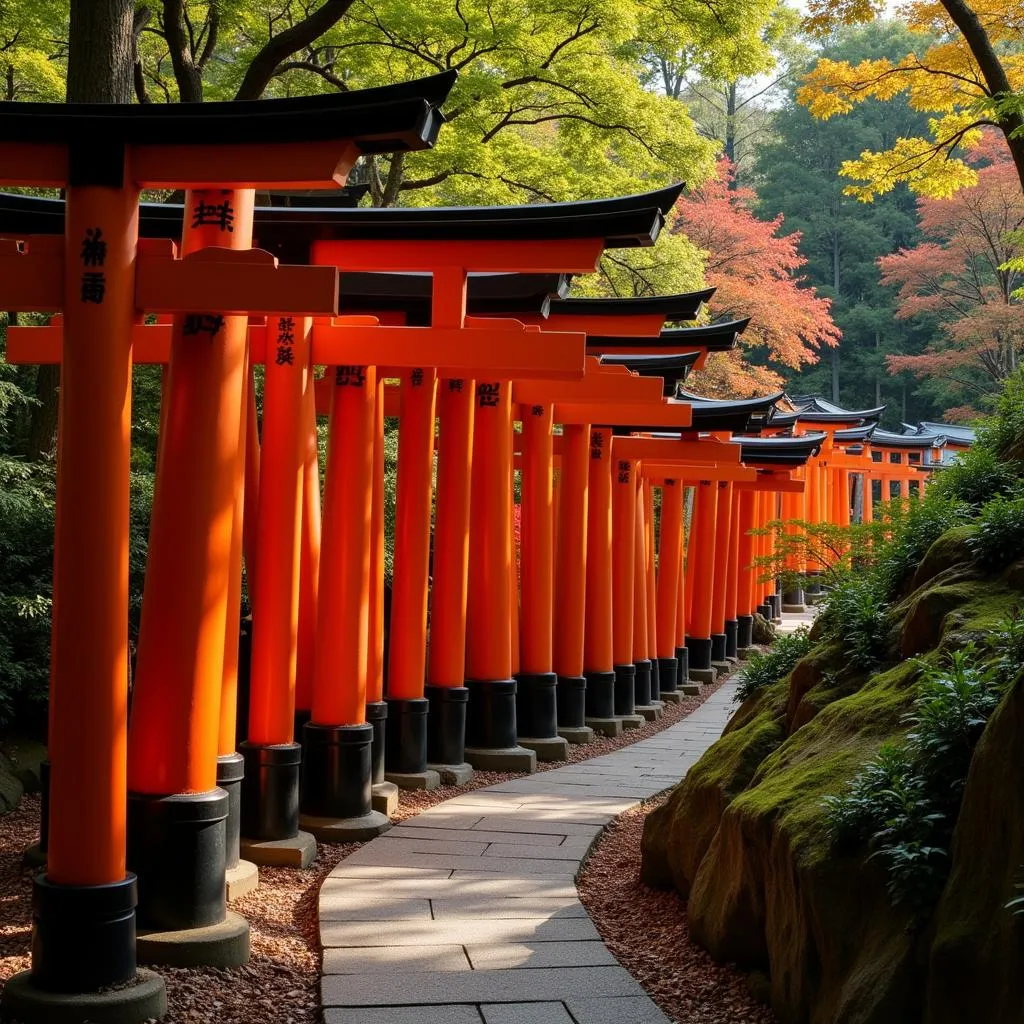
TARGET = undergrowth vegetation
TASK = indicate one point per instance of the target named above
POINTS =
(764, 668)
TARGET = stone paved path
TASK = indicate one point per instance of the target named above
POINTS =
(468, 914)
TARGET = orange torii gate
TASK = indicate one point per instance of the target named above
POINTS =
(558, 237)
(102, 278)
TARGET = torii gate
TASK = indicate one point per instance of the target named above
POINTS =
(102, 277)
(477, 420)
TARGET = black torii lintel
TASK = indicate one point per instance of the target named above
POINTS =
(386, 119)
(779, 451)
(720, 337)
(673, 307)
(672, 367)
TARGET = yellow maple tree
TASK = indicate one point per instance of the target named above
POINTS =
(968, 70)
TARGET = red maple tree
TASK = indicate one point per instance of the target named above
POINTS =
(955, 275)
(756, 273)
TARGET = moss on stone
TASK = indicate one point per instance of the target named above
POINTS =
(951, 549)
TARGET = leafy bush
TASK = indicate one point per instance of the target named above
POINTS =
(857, 615)
(767, 667)
(904, 802)
(914, 528)
(976, 477)
(1006, 643)
(1003, 433)
(999, 538)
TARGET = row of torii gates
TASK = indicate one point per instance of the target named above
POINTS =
(453, 321)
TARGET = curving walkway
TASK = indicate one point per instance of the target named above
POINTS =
(468, 914)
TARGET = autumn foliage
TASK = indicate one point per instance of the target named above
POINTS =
(959, 275)
(755, 271)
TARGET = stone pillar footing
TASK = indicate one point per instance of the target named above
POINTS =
(347, 830)
(746, 652)
(671, 697)
(384, 798)
(703, 675)
(554, 748)
(241, 879)
(502, 759)
(606, 726)
(453, 774)
(145, 1000)
(224, 944)
(297, 852)
(651, 712)
(632, 721)
(427, 780)
(797, 609)
(576, 733)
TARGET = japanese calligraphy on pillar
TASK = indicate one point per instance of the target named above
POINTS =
(597, 444)
(219, 215)
(487, 395)
(456, 384)
(285, 341)
(93, 256)
(350, 376)
(624, 467)
(416, 377)
(536, 410)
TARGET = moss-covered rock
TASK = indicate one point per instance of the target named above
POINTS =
(677, 834)
(951, 549)
(975, 970)
(19, 770)
(745, 836)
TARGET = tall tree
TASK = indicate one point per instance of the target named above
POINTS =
(756, 271)
(842, 238)
(962, 275)
(965, 66)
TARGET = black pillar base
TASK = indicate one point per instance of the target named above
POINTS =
(667, 678)
(537, 705)
(775, 600)
(765, 611)
(600, 694)
(683, 661)
(491, 714)
(792, 597)
(700, 652)
(83, 936)
(299, 723)
(376, 715)
(230, 772)
(731, 638)
(571, 697)
(625, 690)
(642, 684)
(446, 724)
(744, 630)
(176, 847)
(655, 680)
(270, 790)
(717, 647)
(405, 748)
(336, 781)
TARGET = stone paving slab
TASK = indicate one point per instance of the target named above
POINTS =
(526, 1013)
(468, 912)
(499, 986)
(456, 931)
(510, 908)
(540, 954)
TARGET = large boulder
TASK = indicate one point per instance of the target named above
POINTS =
(19, 770)
(975, 970)
(948, 551)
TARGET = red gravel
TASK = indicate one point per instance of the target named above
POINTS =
(646, 932)
(280, 984)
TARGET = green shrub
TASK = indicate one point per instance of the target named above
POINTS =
(1007, 645)
(976, 477)
(856, 614)
(999, 538)
(914, 528)
(904, 802)
(1003, 433)
(768, 667)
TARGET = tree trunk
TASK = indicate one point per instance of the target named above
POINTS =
(100, 70)
(730, 133)
(100, 64)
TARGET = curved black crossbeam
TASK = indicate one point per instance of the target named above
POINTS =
(672, 307)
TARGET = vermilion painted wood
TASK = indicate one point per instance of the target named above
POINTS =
(597, 637)
(173, 740)
(670, 560)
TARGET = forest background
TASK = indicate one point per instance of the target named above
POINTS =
(854, 185)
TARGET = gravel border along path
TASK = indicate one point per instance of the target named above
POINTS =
(281, 982)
